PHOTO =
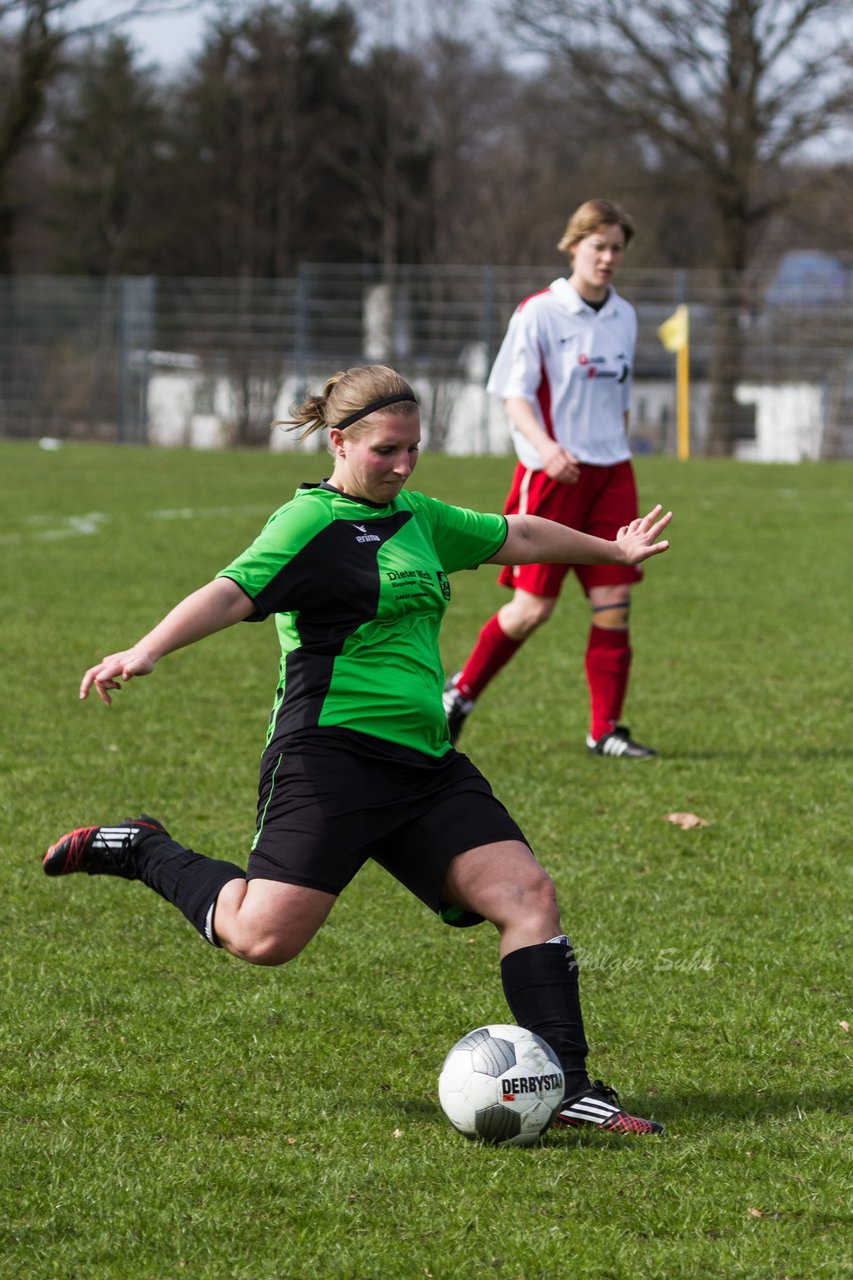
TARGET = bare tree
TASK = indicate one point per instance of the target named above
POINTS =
(107, 128)
(730, 89)
(33, 34)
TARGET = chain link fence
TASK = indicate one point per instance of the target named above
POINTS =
(212, 362)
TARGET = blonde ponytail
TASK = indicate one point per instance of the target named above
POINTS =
(347, 392)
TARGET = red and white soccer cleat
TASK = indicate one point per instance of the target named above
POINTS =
(598, 1107)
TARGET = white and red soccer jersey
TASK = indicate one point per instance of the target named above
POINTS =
(574, 365)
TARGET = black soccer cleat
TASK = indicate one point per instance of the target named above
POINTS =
(598, 1107)
(456, 708)
(101, 851)
(619, 743)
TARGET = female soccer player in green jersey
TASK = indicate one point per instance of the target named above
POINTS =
(358, 762)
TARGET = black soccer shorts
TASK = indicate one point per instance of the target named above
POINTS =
(329, 799)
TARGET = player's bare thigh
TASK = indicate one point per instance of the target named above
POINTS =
(267, 922)
(504, 883)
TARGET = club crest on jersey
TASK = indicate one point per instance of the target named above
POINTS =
(444, 583)
(364, 536)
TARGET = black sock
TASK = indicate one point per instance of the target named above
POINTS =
(541, 988)
(189, 880)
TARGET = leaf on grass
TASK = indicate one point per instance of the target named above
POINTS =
(755, 1213)
(845, 1026)
(685, 820)
(291, 1142)
(398, 1133)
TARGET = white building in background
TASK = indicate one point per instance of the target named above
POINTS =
(191, 408)
(789, 420)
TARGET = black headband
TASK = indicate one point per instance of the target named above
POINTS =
(369, 408)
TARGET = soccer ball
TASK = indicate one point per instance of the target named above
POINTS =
(501, 1084)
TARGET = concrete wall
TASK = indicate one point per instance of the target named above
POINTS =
(189, 408)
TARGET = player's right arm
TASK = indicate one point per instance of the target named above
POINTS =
(213, 607)
(557, 462)
(516, 378)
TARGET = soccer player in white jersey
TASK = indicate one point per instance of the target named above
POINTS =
(564, 375)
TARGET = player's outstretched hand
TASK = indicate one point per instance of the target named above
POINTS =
(638, 540)
(114, 670)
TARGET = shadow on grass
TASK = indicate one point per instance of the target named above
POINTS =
(413, 1108)
(760, 752)
(680, 1111)
(750, 1104)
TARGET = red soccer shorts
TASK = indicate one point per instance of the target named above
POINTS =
(600, 502)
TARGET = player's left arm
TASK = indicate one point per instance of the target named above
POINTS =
(534, 540)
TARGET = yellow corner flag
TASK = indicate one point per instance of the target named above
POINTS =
(674, 333)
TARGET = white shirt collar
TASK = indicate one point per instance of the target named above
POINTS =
(569, 296)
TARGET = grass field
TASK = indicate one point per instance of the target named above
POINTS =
(168, 1112)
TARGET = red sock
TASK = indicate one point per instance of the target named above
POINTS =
(493, 649)
(608, 661)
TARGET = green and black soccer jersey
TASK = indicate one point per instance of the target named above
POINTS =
(359, 592)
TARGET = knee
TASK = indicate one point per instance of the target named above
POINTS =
(265, 950)
(611, 608)
(267, 923)
(524, 614)
(532, 902)
(541, 897)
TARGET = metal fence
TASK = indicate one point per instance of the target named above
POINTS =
(213, 360)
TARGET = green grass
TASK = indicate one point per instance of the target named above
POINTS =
(168, 1112)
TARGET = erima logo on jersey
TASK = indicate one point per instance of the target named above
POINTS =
(365, 536)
